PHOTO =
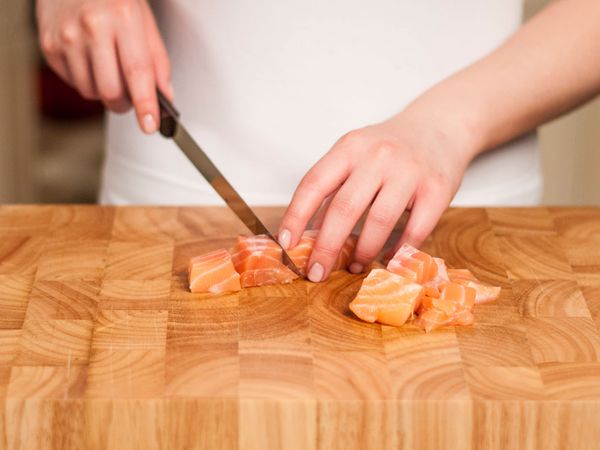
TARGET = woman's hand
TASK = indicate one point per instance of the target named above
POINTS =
(401, 164)
(109, 50)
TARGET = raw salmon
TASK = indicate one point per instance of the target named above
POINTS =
(433, 319)
(484, 292)
(454, 306)
(263, 277)
(300, 254)
(252, 251)
(413, 264)
(386, 298)
(447, 296)
(213, 272)
(434, 286)
(345, 253)
(258, 261)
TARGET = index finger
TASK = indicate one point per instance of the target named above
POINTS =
(138, 71)
(159, 55)
(347, 206)
(320, 181)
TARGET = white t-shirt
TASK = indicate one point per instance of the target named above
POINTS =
(266, 87)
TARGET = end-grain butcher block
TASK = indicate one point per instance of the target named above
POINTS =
(102, 345)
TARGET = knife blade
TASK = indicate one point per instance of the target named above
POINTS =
(171, 127)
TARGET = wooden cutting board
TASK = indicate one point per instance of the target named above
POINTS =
(102, 346)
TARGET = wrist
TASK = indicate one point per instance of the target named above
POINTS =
(452, 131)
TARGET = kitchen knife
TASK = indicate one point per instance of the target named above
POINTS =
(170, 127)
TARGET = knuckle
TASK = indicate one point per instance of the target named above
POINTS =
(381, 219)
(437, 185)
(411, 165)
(125, 9)
(69, 33)
(350, 137)
(119, 106)
(91, 21)
(143, 104)
(384, 150)
(441, 181)
(413, 236)
(111, 95)
(294, 214)
(47, 43)
(364, 255)
(110, 91)
(87, 93)
(311, 182)
(136, 69)
(343, 206)
(327, 251)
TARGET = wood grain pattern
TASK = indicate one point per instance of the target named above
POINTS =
(558, 298)
(102, 345)
(19, 255)
(64, 300)
(14, 292)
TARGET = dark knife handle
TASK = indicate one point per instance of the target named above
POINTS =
(168, 115)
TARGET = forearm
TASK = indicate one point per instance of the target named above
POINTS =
(551, 65)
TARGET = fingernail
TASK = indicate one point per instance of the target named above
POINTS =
(149, 124)
(284, 238)
(316, 273)
(356, 267)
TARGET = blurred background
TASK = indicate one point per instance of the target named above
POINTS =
(51, 141)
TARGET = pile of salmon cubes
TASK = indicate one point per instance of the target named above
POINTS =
(419, 288)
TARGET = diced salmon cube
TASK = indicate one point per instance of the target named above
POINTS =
(213, 272)
(413, 264)
(386, 298)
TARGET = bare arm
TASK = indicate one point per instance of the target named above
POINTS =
(550, 66)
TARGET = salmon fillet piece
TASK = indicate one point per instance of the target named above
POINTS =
(484, 292)
(345, 253)
(413, 264)
(263, 277)
(453, 307)
(386, 298)
(434, 286)
(214, 273)
(250, 252)
(258, 259)
(300, 254)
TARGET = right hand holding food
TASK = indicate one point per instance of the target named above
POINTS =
(411, 162)
(109, 50)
